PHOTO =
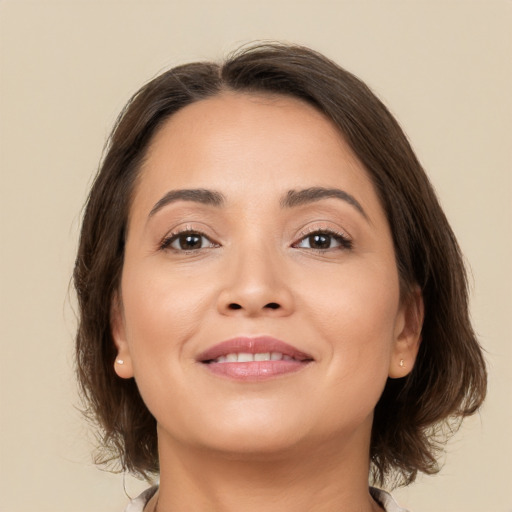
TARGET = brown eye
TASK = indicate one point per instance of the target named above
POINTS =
(187, 241)
(323, 241)
(320, 241)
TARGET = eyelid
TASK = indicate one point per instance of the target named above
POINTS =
(345, 239)
(171, 236)
(325, 227)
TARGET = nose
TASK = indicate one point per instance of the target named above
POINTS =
(255, 284)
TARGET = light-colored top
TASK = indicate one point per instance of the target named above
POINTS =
(384, 499)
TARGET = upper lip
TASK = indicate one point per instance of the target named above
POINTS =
(256, 345)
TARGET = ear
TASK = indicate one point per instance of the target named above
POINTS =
(407, 335)
(123, 363)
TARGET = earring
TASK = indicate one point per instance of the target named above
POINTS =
(119, 361)
(402, 363)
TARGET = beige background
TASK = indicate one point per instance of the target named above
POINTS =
(67, 68)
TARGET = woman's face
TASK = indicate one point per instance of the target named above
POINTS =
(255, 230)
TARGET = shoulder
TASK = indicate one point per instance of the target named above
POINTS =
(386, 500)
(138, 504)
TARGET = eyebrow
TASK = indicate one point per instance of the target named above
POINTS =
(309, 195)
(292, 199)
(197, 195)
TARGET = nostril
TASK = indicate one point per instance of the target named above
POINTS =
(271, 305)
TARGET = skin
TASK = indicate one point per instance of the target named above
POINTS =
(298, 441)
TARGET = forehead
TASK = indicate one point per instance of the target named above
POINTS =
(248, 143)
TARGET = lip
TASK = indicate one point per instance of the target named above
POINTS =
(258, 345)
(254, 370)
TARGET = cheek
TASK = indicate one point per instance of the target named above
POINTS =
(163, 311)
(357, 320)
(356, 311)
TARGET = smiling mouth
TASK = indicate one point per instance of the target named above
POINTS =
(249, 359)
(246, 357)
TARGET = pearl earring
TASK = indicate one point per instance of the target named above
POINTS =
(119, 361)
(402, 363)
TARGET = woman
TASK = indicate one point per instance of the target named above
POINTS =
(273, 306)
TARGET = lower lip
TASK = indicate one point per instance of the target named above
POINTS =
(255, 370)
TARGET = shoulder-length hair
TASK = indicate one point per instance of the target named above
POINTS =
(448, 380)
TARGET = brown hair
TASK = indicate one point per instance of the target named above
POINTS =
(448, 381)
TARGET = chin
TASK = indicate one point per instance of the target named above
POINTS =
(249, 445)
(249, 435)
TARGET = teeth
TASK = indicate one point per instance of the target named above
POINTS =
(245, 357)
(262, 357)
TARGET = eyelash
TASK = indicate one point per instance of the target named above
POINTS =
(172, 237)
(345, 243)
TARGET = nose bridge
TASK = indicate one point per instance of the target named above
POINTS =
(255, 282)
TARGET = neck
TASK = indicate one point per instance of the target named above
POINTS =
(322, 478)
